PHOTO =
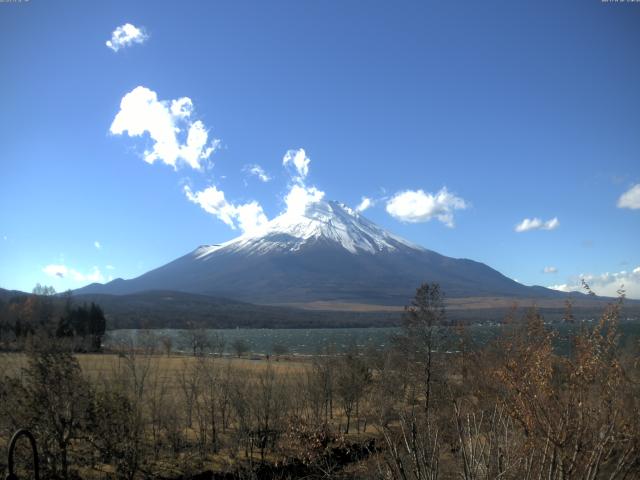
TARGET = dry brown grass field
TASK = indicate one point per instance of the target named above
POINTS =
(182, 402)
(95, 365)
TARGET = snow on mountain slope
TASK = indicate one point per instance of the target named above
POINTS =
(330, 221)
(328, 253)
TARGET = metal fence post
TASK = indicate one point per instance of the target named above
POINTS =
(12, 447)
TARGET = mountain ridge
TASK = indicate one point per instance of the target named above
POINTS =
(329, 252)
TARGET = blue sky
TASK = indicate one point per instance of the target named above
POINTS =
(507, 110)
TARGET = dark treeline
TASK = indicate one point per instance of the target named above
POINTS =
(170, 309)
(43, 316)
(159, 310)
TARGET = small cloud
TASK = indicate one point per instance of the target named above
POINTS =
(365, 203)
(97, 245)
(95, 276)
(550, 270)
(617, 179)
(551, 224)
(248, 217)
(299, 160)
(110, 267)
(176, 138)
(537, 224)
(55, 270)
(126, 35)
(416, 206)
(258, 171)
(4, 237)
(62, 271)
(300, 197)
(631, 198)
(605, 284)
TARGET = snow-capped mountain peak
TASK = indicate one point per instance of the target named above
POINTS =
(326, 253)
(323, 221)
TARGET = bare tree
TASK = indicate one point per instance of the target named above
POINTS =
(279, 350)
(188, 379)
(55, 403)
(167, 344)
(422, 323)
(269, 407)
(352, 381)
(198, 339)
(240, 347)
(322, 381)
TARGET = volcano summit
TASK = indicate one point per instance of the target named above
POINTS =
(328, 253)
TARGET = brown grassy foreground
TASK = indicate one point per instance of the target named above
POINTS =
(99, 365)
(512, 410)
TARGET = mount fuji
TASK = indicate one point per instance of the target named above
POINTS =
(328, 253)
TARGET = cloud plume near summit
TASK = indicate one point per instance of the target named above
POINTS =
(299, 160)
(178, 139)
(299, 196)
(248, 216)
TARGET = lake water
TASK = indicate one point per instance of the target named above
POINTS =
(313, 341)
(261, 341)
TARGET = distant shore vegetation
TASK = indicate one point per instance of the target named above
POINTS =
(40, 318)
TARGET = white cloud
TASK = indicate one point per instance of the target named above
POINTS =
(364, 204)
(167, 123)
(258, 171)
(550, 270)
(95, 276)
(299, 160)
(416, 206)
(551, 224)
(537, 224)
(630, 198)
(248, 216)
(55, 270)
(97, 244)
(606, 284)
(126, 35)
(212, 201)
(110, 267)
(62, 271)
(300, 197)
